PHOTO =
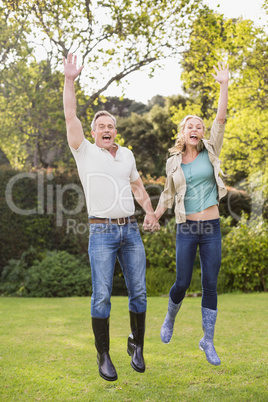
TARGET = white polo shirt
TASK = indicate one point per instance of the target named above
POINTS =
(106, 180)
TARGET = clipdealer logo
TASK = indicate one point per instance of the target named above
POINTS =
(45, 199)
(50, 197)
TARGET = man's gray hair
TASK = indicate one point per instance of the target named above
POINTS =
(99, 114)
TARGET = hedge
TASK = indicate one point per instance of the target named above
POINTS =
(50, 274)
(27, 238)
(245, 256)
(43, 229)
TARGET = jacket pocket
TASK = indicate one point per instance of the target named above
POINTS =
(173, 170)
(179, 208)
(178, 198)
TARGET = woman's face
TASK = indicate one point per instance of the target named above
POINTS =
(193, 131)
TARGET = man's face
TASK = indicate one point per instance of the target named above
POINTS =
(104, 132)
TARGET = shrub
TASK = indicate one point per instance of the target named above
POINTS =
(160, 258)
(59, 274)
(12, 278)
(245, 262)
(160, 250)
(14, 273)
(46, 274)
(41, 229)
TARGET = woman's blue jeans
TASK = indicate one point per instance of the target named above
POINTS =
(190, 235)
(106, 243)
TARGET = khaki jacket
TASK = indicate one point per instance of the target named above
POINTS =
(175, 184)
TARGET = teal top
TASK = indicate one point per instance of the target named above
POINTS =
(201, 190)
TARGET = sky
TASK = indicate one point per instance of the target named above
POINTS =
(166, 82)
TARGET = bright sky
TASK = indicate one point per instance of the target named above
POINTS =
(167, 81)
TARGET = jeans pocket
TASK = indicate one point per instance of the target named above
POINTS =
(134, 226)
(98, 228)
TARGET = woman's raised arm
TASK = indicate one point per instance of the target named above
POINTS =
(222, 77)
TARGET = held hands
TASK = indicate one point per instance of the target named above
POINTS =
(150, 223)
(222, 73)
(70, 70)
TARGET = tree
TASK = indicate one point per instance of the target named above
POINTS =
(33, 126)
(13, 37)
(138, 133)
(150, 136)
(113, 39)
(122, 107)
(244, 46)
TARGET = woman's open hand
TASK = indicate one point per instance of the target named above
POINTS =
(222, 73)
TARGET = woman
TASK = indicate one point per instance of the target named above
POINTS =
(193, 178)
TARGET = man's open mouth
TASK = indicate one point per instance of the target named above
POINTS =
(106, 137)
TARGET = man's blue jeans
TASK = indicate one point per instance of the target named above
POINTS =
(206, 235)
(106, 243)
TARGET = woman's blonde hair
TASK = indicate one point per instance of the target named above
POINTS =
(180, 141)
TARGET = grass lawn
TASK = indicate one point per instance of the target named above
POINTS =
(47, 352)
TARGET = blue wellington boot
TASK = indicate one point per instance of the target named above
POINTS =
(206, 344)
(167, 327)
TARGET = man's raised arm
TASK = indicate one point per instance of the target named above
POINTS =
(75, 134)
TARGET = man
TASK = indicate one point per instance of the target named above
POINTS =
(108, 174)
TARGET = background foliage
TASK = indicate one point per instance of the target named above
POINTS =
(39, 230)
(244, 264)
(245, 261)
(46, 274)
(113, 40)
(35, 35)
(51, 260)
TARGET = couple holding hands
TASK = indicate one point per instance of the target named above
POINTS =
(110, 179)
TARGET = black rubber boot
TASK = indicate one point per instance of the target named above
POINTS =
(102, 342)
(136, 341)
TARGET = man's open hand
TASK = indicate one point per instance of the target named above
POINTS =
(70, 70)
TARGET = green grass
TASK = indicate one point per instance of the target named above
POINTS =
(47, 352)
